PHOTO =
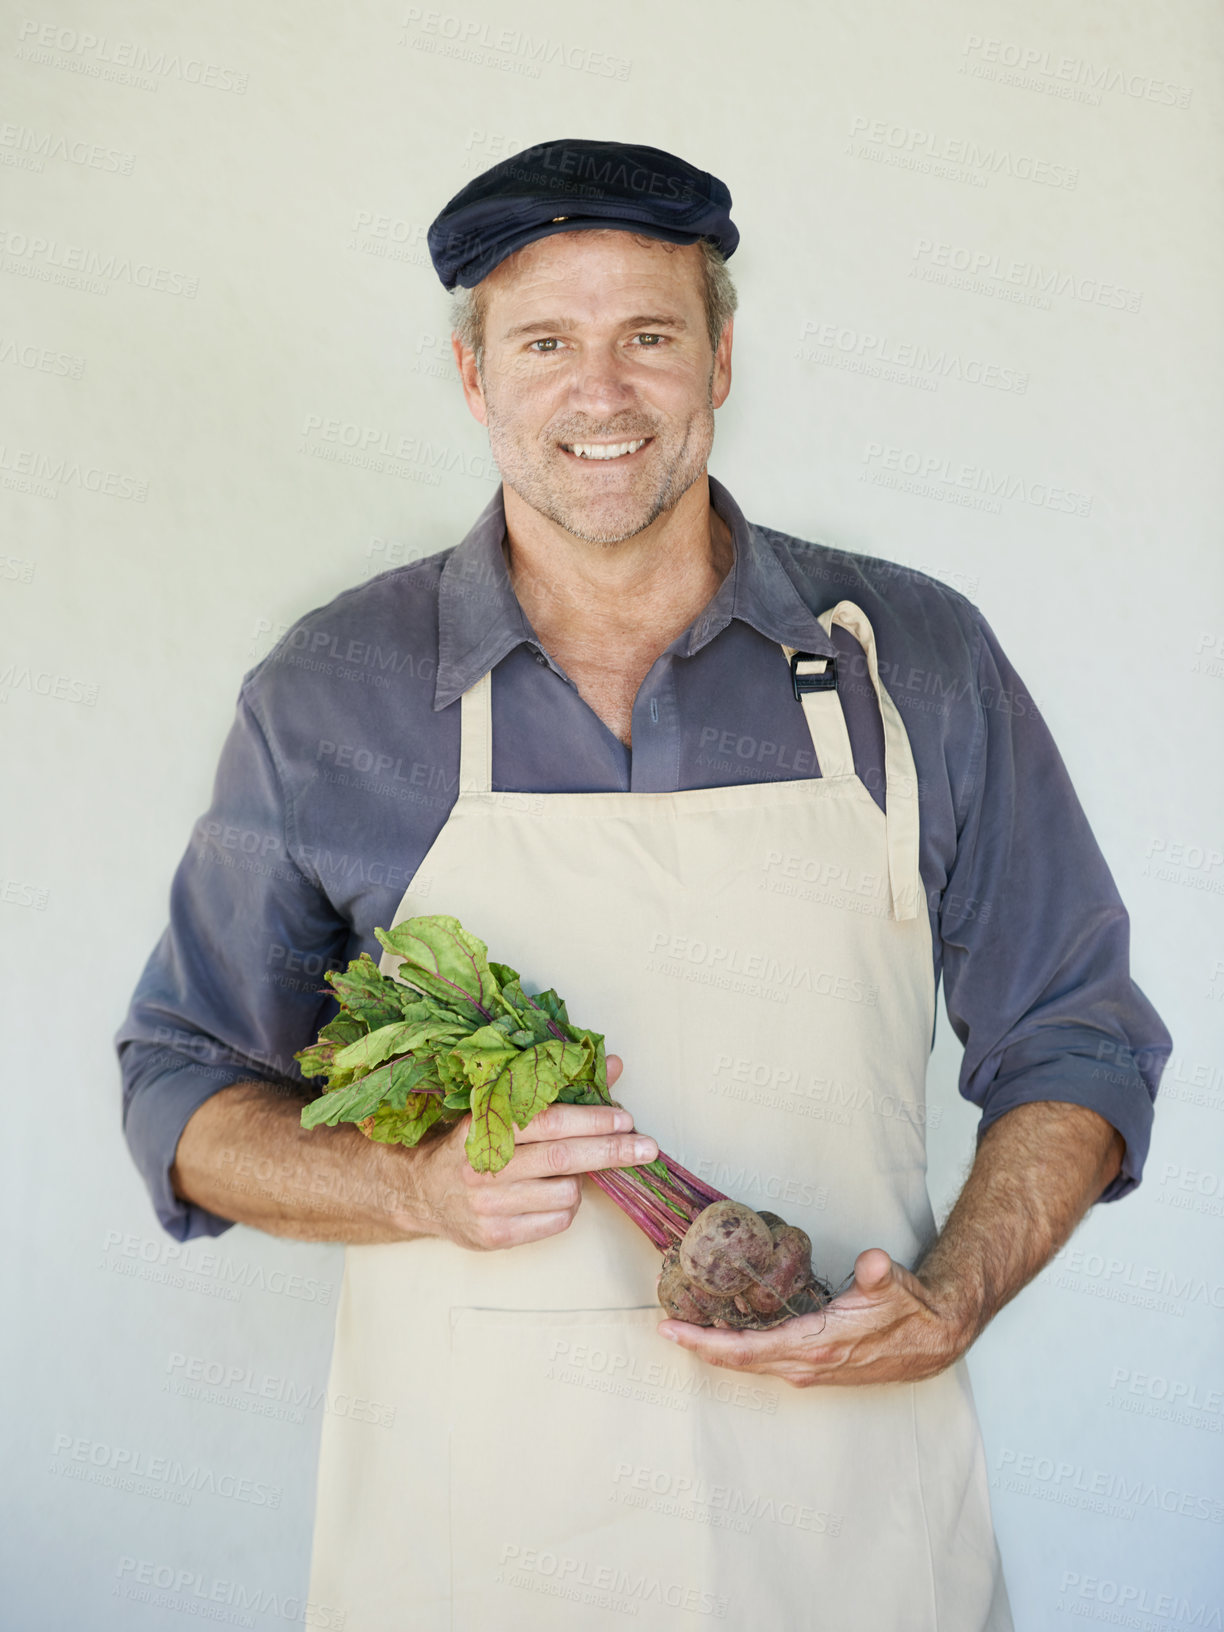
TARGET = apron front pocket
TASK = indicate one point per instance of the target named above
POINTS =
(557, 1417)
(598, 1472)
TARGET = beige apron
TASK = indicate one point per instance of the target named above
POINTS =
(760, 957)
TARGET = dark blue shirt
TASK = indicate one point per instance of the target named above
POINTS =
(343, 763)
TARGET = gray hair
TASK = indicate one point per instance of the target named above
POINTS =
(467, 305)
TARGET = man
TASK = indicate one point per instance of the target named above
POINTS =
(652, 754)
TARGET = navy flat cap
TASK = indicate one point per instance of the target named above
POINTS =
(572, 186)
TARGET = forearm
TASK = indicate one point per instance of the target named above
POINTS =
(1037, 1171)
(245, 1155)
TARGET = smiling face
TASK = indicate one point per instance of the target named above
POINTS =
(597, 383)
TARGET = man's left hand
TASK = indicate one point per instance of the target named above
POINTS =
(887, 1328)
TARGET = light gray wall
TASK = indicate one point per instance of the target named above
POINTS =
(1031, 192)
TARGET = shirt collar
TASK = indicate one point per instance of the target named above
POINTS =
(480, 619)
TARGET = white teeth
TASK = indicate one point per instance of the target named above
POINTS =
(604, 450)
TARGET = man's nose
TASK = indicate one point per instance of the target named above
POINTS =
(602, 381)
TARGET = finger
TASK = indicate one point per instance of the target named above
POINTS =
(739, 1351)
(536, 1226)
(527, 1196)
(799, 1360)
(566, 1121)
(615, 1066)
(551, 1158)
(873, 1271)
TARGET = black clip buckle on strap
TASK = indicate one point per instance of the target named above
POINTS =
(813, 682)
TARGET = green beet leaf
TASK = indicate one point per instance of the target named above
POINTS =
(599, 1062)
(490, 1140)
(399, 1038)
(442, 959)
(482, 1054)
(410, 1078)
(537, 1024)
(510, 994)
(365, 992)
(450, 1071)
(415, 1007)
(389, 1126)
(536, 1076)
(348, 1104)
(316, 1061)
(523, 1012)
(582, 1093)
(344, 1029)
(553, 1006)
(445, 1008)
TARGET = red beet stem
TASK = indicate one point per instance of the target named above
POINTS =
(656, 1232)
(693, 1182)
(661, 1209)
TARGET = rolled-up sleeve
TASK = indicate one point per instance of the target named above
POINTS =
(1036, 940)
(214, 1005)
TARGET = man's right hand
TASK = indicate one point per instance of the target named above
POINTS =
(245, 1156)
(538, 1191)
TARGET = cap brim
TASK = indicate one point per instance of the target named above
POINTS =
(578, 223)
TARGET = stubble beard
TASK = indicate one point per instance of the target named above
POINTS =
(537, 471)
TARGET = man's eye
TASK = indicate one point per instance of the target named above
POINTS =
(650, 339)
(549, 344)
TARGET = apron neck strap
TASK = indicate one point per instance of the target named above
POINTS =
(476, 736)
(827, 726)
(823, 711)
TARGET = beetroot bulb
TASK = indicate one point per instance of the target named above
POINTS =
(735, 1267)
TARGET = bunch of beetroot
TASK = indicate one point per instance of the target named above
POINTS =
(452, 1034)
